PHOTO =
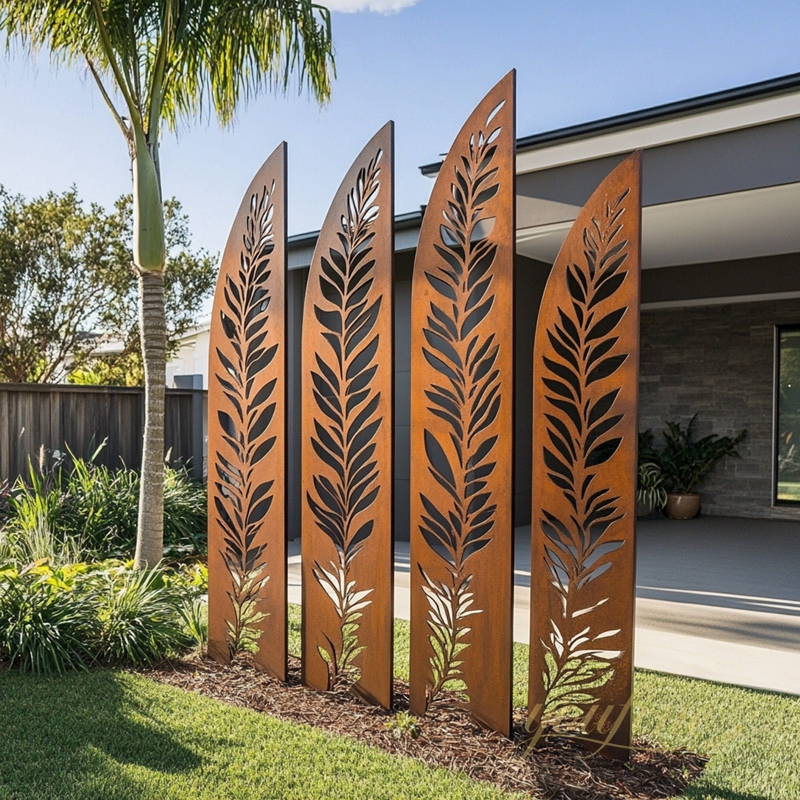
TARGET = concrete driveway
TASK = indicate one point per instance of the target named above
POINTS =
(717, 598)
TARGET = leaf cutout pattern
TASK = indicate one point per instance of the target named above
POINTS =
(584, 469)
(461, 456)
(241, 501)
(342, 498)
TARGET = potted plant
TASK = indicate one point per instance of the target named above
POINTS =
(651, 495)
(687, 462)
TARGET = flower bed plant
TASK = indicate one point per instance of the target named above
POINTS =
(59, 618)
(87, 507)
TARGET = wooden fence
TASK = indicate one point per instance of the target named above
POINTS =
(81, 417)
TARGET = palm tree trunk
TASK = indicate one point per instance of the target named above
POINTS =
(152, 323)
(149, 257)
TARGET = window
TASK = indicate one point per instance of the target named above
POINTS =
(787, 415)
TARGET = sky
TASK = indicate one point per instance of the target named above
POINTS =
(424, 64)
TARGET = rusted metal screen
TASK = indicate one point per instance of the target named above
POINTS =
(462, 397)
(247, 430)
(347, 471)
(586, 373)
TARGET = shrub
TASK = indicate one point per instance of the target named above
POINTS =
(139, 616)
(194, 613)
(185, 513)
(90, 508)
(101, 506)
(57, 619)
(45, 625)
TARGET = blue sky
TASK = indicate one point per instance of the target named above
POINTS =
(425, 65)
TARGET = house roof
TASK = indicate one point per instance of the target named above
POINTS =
(721, 178)
(726, 98)
(406, 228)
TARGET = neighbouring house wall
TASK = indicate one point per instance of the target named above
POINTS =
(191, 358)
(718, 361)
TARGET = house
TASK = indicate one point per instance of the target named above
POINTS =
(720, 324)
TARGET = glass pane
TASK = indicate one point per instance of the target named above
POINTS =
(789, 416)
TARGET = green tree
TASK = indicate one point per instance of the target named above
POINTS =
(54, 264)
(65, 273)
(171, 60)
(189, 278)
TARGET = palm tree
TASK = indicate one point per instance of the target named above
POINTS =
(156, 63)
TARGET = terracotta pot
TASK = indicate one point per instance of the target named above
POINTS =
(682, 506)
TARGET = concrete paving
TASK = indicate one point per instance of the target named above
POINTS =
(717, 598)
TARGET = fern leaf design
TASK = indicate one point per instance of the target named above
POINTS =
(582, 434)
(242, 503)
(467, 397)
(347, 423)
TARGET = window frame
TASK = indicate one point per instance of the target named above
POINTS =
(776, 411)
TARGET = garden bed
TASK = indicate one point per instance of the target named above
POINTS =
(447, 737)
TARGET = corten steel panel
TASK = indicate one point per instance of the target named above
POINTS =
(247, 429)
(347, 427)
(585, 401)
(462, 398)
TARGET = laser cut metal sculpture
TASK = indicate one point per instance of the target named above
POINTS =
(347, 469)
(246, 430)
(586, 373)
(462, 332)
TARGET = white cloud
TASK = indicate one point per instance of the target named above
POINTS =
(381, 6)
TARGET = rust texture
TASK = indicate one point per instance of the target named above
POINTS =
(586, 384)
(347, 432)
(462, 395)
(246, 431)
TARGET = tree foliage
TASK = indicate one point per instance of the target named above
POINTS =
(67, 290)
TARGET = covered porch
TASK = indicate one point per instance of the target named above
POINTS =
(718, 598)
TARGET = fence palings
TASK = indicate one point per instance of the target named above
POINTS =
(586, 369)
(462, 395)
(81, 418)
(247, 430)
(347, 431)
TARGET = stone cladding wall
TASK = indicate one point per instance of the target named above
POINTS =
(718, 361)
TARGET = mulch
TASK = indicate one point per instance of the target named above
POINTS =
(557, 769)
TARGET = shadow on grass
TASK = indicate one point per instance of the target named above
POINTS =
(59, 735)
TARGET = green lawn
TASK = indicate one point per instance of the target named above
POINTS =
(114, 735)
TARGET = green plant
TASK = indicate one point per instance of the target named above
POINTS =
(139, 616)
(687, 462)
(31, 532)
(190, 582)
(45, 624)
(55, 619)
(100, 505)
(5, 496)
(79, 508)
(194, 614)
(185, 513)
(403, 725)
(650, 491)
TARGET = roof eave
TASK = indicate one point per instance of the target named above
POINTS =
(715, 100)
